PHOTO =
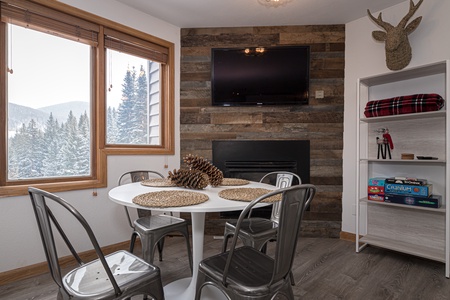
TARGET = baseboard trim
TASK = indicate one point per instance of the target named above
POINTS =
(42, 267)
(347, 236)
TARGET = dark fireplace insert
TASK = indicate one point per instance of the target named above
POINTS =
(251, 159)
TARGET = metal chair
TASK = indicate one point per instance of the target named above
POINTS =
(153, 228)
(245, 272)
(119, 275)
(256, 232)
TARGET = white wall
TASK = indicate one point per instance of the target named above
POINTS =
(364, 56)
(20, 241)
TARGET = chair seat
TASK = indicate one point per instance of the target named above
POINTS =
(90, 280)
(152, 230)
(256, 232)
(154, 222)
(249, 273)
(256, 227)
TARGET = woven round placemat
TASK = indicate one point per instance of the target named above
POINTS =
(170, 198)
(158, 182)
(247, 194)
(234, 181)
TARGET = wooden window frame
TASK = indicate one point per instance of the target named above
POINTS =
(100, 149)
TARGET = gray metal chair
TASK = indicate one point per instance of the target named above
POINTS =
(256, 232)
(153, 228)
(119, 275)
(245, 272)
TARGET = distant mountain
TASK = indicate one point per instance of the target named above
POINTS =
(18, 114)
(61, 111)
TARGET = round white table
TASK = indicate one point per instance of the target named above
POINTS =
(184, 289)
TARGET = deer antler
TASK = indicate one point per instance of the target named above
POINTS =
(412, 9)
(379, 21)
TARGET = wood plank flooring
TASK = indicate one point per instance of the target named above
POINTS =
(323, 269)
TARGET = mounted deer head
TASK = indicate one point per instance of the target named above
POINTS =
(398, 49)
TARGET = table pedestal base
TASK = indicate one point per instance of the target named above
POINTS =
(180, 290)
(184, 289)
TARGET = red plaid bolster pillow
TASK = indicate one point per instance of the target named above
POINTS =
(404, 105)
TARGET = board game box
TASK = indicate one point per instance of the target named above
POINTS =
(434, 201)
(410, 190)
(376, 181)
(406, 180)
(375, 197)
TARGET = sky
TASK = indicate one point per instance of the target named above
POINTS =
(37, 86)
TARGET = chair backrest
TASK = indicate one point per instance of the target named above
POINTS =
(293, 204)
(283, 179)
(136, 176)
(45, 218)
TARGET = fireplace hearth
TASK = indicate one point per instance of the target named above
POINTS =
(251, 159)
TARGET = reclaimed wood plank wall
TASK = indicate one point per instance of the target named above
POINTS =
(321, 121)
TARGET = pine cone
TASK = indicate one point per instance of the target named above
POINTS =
(192, 179)
(199, 163)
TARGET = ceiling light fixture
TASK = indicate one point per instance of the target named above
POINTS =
(273, 3)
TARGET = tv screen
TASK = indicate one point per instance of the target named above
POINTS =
(260, 76)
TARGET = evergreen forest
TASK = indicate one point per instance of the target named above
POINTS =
(61, 149)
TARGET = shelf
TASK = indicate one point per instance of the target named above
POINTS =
(421, 71)
(440, 210)
(415, 230)
(413, 249)
(414, 116)
(404, 161)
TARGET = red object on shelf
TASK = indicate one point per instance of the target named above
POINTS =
(404, 105)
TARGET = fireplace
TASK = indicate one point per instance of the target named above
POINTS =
(250, 159)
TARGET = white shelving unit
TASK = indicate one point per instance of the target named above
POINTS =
(419, 231)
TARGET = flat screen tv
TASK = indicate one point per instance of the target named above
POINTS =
(260, 76)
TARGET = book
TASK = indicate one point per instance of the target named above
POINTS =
(406, 180)
(434, 201)
(411, 190)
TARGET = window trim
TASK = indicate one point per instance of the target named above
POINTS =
(99, 147)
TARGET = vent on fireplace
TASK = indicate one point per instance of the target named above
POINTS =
(255, 170)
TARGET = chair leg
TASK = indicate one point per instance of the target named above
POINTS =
(264, 248)
(226, 236)
(201, 278)
(148, 245)
(292, 278)
(160, 246)
(133, 241)
(185, 233)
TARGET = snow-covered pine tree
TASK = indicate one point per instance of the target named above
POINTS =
(52, 145)
(125, 118)
(140, 110)
(84, 146)
(112, 130)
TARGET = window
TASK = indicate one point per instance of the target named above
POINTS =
(49, 118)
(74, 91)
(133, 98)
(136, 82)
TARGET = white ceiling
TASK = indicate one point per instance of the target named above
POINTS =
(241, 13)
